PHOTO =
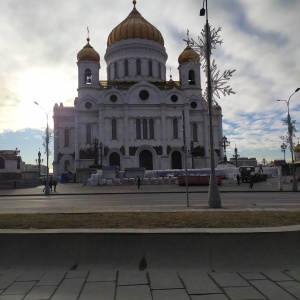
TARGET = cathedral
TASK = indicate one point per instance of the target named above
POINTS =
(136, 118)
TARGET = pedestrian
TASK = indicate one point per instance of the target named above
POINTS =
(138, 182)
(54, 184)
(50, 184)
(251, 182)
(44, 183)
(238, 179)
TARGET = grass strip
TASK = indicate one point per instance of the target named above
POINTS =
(150, 220)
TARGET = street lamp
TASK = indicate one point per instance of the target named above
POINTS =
(224, 143)
(38, 161)
(47, 189)
(283, 148)
(214, 199)
(236, 155)
(290, 132)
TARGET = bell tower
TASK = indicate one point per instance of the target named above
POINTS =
(88, 62)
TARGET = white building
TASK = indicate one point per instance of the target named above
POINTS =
(138, 116)
(10, 165)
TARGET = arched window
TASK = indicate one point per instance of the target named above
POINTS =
(175, 129)
(195, 132)
(145, 129)
(150, 67)
(151, 128)
(138, 129)
(159, 70)
(67, 138)
(67, 166)
(2, 163)
(138, 67)
(88, 76)
(191, 77)
(114, 129)
(116, 69)
(126, 67)
(88, 134)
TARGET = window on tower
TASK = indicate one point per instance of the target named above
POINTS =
(88, 76)
(138, 129)
(116, 70)
(192, 77)
(126, 67)
(88, 134)
(150, 67)
(175, 129)
(195, 132)
(114, 129)
(145, 129)
(138, 67)
(67, 138)
(151, 129)
(159, 70)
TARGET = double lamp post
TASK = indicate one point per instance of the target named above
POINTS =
(47, 188)
(290, 138)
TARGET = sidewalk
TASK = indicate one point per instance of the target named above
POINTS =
(271, 185)
(148, 285)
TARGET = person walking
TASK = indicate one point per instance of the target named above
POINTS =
(139, 182)
(251, 182)
(54, 185)
(50, 184)
(238, 179)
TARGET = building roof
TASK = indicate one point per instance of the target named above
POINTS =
(135, 27)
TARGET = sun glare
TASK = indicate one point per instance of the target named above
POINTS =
(46, 87)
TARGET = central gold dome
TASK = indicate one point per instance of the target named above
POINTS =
(135, 27)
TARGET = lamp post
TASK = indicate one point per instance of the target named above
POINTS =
(283, 148)
(38, 161)
(290, 132)
(47, 189)
(214, 199)
(224, 143)
(236, 155)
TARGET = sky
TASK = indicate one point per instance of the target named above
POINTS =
(40, 39)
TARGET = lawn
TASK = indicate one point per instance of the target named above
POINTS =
(150, 220)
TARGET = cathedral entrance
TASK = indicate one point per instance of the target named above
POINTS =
(176, 160)
(114, 159)
(146, 160)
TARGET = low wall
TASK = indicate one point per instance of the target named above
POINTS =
(207, 251)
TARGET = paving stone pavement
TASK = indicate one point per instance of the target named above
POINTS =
(147, 284)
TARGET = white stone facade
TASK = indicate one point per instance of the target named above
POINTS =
(136, 114)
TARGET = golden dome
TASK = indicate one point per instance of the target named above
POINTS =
(187, 54)
(88, 53)
(135, 27)
(297, 148)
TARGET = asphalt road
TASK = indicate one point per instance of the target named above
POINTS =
(252, 201)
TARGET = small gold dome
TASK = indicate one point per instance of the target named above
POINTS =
(297, 148)
(135, 27)
(187, 54)
(88, 53)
